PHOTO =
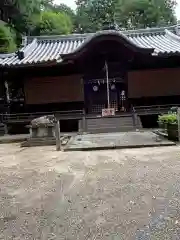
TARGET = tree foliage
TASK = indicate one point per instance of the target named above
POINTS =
(7, 39)
(133, 14)
(93, 14)
(53, 23)
(28, 17)
(63, 8)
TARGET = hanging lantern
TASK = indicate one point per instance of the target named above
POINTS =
(95, 88)
(123, 93)
(113, 86)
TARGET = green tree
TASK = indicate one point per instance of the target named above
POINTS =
(53, 23)
(63, 8)
(23, 14)
(133, 14)
(7, 39)
(93, 14)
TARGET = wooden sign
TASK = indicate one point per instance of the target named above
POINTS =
(108, 112)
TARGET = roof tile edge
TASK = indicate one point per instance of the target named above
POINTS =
(173, 36)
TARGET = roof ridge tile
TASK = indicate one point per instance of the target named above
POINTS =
(157, 38)
(76, 36)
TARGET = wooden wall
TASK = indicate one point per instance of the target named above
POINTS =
(54, 89)
(146, 83)
(152, 83)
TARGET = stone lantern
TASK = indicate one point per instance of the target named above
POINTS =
(42, 127)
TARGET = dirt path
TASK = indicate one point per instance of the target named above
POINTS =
(125, 194)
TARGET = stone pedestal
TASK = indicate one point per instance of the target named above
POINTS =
(42, 131)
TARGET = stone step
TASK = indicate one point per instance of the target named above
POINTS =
(110, 121)
(110, 130)
(114, 124)
(120, 124)
(109, 126)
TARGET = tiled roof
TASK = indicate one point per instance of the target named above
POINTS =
(162, 41)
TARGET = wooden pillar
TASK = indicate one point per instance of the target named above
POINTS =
(7, 96)
(6, 100)
(84, 122)
(5, 129)
(85, 96)
(58, 136)
(7, 90)
(178, 119)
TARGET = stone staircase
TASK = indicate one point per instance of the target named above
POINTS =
(112, 124)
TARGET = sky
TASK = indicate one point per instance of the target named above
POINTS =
(178, 9)
(72, 4)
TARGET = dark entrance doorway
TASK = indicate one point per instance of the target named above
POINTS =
(96, 95)
(105, 60)
(97, 89)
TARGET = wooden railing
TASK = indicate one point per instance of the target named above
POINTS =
(78, 114)
(154, 108)
(25, 117)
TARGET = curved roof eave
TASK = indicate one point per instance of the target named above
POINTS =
(118, 36)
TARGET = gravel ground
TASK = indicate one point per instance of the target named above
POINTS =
(124, 194)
